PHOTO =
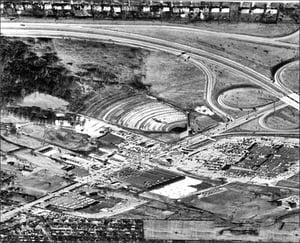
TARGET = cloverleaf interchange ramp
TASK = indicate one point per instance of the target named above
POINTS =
(196, 57)
(76, 31)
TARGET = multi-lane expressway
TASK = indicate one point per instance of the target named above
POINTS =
(96, 32)
(197, 56)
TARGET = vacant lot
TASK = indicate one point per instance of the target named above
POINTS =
(43, 176)
(174, 80)
(284, 119)
(44, 101)
(239, 201)
(257, 56)
(292, 182)
(225, 80)
(290, 76)
(100, 62)
(246, 98)
(68, 139)
(42, 182)
(22, 140)
(7, 147)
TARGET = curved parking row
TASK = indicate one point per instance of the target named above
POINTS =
(136, 111)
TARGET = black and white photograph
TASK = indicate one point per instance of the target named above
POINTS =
(149, 121)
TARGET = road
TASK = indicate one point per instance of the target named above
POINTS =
(89, 31)
(263, 124)
(8, 215)
(194, 146)
(197, 56)
(279, 79)
(274, 41)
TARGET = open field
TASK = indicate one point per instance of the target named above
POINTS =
(251, 126)
(284, 119)
(160, 210)
(240, 201)
(292, 182)
(7, 147)
(290, 76)
(62, 137)
(257, 56)
(42, 182)
(44, 101)
(174, 80)
(246, 98)
(34, 177)
(68, 139)
(100, 62)
(22, 140)
(225, 80)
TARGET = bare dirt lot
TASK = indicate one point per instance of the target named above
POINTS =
(44, 101)
(41, 176)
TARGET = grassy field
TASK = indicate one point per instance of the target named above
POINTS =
(252, 126)
(99, 68)
(42, 182)
(100, 62)
(239, 201)
(225, 80)
(257, 56)
(290, 77)
(22, 140)
(7, 147)
(284, 119)
(168, 77)
(174, 80)
(246, 97)
(292, 182)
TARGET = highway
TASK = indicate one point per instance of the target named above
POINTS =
(274, 41)
(195, 145)
(8, 215)
(197, 57)
(80, 31)
(280, 82)
(263, 124)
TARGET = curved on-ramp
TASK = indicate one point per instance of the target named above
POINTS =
(82, 31)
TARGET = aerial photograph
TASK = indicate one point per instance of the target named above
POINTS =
(152, 121)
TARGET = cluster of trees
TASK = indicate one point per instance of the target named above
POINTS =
(23, 72)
